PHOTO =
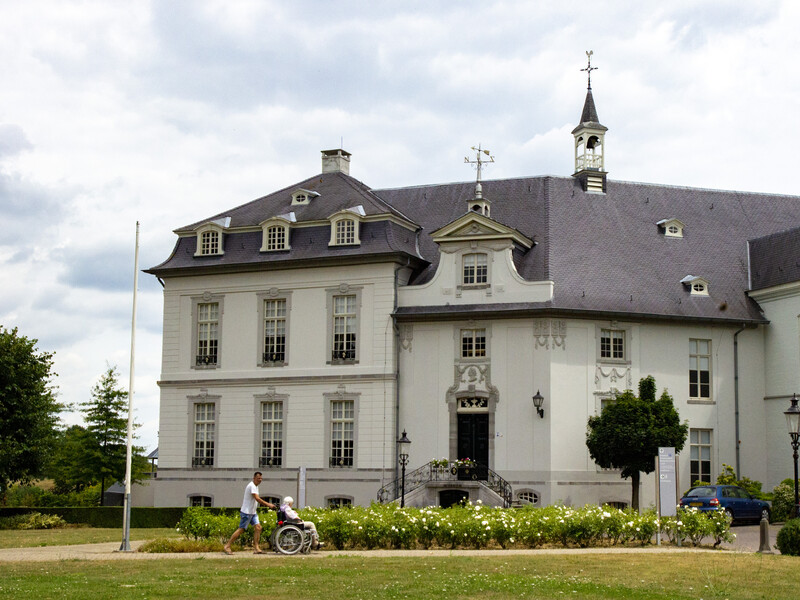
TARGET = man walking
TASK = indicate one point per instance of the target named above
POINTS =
(248, 515)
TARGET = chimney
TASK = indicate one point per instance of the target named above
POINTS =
(336, 161)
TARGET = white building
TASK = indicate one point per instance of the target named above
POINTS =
(306, 329)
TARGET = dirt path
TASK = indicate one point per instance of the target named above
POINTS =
(109, 551)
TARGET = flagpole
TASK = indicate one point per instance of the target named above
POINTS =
(126, 511)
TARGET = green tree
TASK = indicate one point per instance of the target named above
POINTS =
(71, 468)
(28, 408)
(105, 445)
(630, 430)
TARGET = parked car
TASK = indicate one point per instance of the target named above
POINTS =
(733, 499)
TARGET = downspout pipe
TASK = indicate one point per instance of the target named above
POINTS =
(736, 395)
(396, 329)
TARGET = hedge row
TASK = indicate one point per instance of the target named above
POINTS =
(110, 516)
(477, 526)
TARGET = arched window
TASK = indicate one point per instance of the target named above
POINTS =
(276, 237)
(345, 232)
(339, 501)
(198, 500)
(529, 497)
(209, 242)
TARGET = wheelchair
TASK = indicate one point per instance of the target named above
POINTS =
(289, 537)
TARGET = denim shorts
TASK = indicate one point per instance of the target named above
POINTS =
(246, 520)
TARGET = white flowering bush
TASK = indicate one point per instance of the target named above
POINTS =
(478, 526)
(694, 526)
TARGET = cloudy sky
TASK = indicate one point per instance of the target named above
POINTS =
(167, 112)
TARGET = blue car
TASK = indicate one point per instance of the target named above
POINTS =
(733, 499)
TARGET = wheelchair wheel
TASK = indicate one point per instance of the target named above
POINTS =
(289, 539)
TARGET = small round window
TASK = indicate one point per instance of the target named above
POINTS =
(673, 229)
(699, 288)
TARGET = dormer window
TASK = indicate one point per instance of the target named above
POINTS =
(276, 237)
(275, 233)
(301, 196)
(209, 241)
(345, 227)
(672, 227)
(476, 269)
(697, 285)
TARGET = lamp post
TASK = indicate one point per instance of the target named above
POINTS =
(793, 423)
(538, 399)
(403, 457)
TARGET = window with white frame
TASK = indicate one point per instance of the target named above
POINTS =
(476, 269)
(345, 232)
(207, 331)
(339, 501)
(345, 327)
(276, 237)
(473, 343)
(700, 370)
(271, 434)
(203, 501)
(204, 434)
(528, 497)
(700, 455)
(274, 331)
(209, 242)
(612, 344)
(342, 433)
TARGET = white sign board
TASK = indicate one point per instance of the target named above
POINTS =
(667, 482)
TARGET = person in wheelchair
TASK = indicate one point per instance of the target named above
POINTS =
(293, 517)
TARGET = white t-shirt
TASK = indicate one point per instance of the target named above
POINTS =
(249, 503)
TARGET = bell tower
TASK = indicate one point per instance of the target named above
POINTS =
(590, 142)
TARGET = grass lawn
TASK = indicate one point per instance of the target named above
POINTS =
(68, 536)
(606, 576)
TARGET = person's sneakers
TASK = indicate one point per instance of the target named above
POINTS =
(319, 545)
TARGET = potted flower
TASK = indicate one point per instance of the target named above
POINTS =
(439, 466)
(465, 468)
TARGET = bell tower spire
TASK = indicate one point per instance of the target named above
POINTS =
(478, 203)
(589, 138)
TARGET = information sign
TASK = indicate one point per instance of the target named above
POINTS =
(667, 482)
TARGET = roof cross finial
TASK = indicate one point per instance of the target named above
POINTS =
(479, 162)
(589, 68)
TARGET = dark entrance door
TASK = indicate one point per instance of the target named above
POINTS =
(473, 440)
(448, 498)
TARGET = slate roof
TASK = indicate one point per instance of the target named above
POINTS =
(336, 190)
(775, 259)
(605, 252)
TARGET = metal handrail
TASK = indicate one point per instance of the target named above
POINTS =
(449, 471)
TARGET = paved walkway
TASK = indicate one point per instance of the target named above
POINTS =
(747, 540)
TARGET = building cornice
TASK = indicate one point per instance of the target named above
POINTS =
(776, 292)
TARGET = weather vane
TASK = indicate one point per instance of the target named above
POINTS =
(479, 161)
(589, 68)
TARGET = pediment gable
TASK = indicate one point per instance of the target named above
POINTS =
(473, 226)
(220, 223)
